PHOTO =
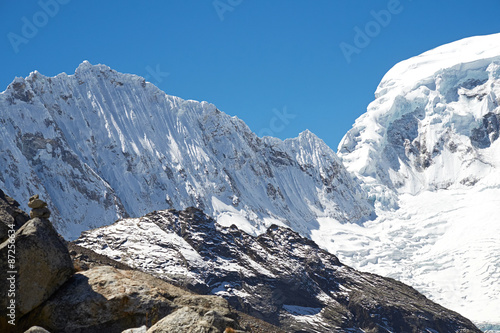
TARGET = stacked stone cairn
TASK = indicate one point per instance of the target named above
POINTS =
(38, 208)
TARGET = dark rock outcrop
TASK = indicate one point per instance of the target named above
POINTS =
(279, 276)
(10, 215)
(84, 259)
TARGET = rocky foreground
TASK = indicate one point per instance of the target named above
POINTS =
(50, 295)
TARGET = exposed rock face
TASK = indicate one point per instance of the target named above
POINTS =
(279, 276)
(84, 259)
(42, 265)
(10, 214)
(106, 299)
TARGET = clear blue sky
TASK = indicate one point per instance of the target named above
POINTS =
(256, 59)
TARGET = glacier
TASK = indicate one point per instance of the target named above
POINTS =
(428, 153)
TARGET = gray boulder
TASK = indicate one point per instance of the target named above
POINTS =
(192, 320)
(42, 264)
(197, 313)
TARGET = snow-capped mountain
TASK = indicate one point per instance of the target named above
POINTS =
(428, 153)
(99, 145)
(278, 276)
(432, 125)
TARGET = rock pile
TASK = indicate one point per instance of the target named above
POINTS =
(38, 208)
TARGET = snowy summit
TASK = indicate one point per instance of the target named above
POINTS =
(428, 153)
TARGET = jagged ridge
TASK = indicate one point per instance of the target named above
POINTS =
(100, 145)
(278, 276)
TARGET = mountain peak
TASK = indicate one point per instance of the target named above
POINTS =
(308, 135)
(85, 66)
(428, 152)
(128, 148)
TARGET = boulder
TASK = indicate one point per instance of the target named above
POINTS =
(141, 329)
(197, 314)
(43, 213)
(35, 202)
(41, 265)
(192, 320)
(106, 299)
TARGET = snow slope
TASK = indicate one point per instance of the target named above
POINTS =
(99, 145)
(428, 153)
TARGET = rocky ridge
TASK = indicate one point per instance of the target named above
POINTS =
(279, 276)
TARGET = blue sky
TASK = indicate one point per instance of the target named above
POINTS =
(281, 66)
